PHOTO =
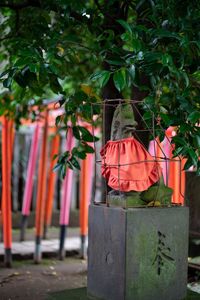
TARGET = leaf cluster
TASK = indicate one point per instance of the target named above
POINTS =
(50, 48)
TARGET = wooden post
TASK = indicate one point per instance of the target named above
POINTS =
(16, 173)
(66, 199)
(51, 183)
(41, 192)
(6, 190)
(85, 197)
(176, 175)
(29, 181)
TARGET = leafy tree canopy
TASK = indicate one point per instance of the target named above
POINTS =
(145, 50)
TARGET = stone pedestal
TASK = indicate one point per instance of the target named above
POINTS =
(192, 196)
(137, 254)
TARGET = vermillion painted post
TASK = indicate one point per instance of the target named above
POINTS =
(16, 174)
(29, 181)
(167, 147)
(86, 178)
(176, 175)
(41, 193)
(51, 183)
(66, 199)
(177, 180)
(6, 191)
(162, 150)
(1, 228)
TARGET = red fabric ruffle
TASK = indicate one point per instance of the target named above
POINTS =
(128, 166)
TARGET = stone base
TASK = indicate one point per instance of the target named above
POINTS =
(138, 253)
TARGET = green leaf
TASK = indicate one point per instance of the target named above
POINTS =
(186, 79)
(4, 73)
(104, 78)
(163, 33)
(128, 79)
(193, 156)
(147, 115)
(115, 62)
(75, 162)
(76, 132)
(62, 171)
(178, 151)
(120, 79)
(88, 149)
(188, 164)
(7, 82)
(197, 141)
(34, 68)
(54, 84)
(58, 119)
(101, 76)
(80, 96)
(179, 140)
(86, 135)
(79, 154)
(20, 79)
(194, 117)
(165, 118)
(125, 25)
(96, 75)
(57, 167)
(196, 75)
(69, 164)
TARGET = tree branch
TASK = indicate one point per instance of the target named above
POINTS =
(8, 36)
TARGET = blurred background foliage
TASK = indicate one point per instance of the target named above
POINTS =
(86, 51)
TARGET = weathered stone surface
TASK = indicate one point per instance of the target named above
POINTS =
(137, 254)
(106, 252)
(192, 196)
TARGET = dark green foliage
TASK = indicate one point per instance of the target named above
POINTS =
(51, 48)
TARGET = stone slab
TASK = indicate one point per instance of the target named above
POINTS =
(137, 254)
(48, 246)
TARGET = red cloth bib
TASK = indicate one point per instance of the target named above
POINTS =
(128, 166)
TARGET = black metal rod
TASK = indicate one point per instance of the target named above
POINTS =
(38, 252)
(83, 250)
(8, 258)
(63, 231)
(45, 231)
(24, 223)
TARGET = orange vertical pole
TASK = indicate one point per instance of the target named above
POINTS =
(85, 196)
(41, 191)
(66, 198)
(182, 182)
(6, 191)
(11, 134)
(1, 227)
(177, 180)
(51, 183)
(28, 190)
(176, 174)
